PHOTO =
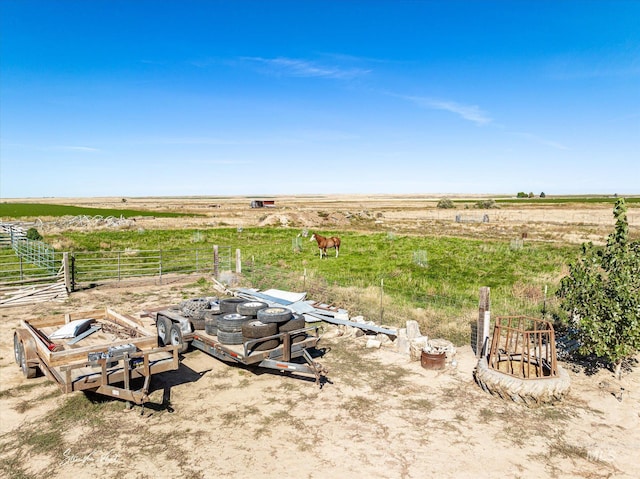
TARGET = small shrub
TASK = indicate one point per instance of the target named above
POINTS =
(34, 235)
(486, 204)
(521, 194)
(542, 195)
(446, 203)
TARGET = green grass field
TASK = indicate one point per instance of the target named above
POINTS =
(567, 200)
(445, 286)
(35, 210)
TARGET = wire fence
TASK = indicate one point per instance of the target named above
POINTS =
(95, 266)
(17, 269)
(33, 263)
(393, 301)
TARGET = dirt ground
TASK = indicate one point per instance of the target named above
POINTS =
(379, 415)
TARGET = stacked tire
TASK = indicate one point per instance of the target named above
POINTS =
(297, 322)
(234, 313)
(196, 310)
(286, 321)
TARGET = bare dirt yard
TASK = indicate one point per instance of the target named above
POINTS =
(379, 415)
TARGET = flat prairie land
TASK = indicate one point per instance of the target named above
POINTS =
(571, 222)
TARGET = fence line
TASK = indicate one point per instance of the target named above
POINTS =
(97, 266)
(388, 297)
(89, 267)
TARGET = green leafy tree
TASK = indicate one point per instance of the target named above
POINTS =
(601, 294)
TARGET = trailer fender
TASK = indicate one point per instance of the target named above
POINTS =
(185, 325)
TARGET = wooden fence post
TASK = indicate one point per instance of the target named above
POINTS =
(238, 262)
(484, 318)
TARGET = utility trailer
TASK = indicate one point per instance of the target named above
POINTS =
(181, 333)
(100, 351)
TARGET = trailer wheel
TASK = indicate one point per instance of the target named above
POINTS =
(175, 337)
(232, 323)
(28, 371)
(163, 325)
(17, 352)
(274, 314)
(257, 329)
(230, 338)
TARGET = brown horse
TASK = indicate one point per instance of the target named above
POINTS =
(324, 243)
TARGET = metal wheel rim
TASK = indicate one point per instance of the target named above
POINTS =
(16, 350)
(175, 339)
(162, 331)
(23, 360)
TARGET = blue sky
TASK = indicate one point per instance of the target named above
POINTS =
(165, 98)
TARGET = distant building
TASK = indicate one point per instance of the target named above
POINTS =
(263, 203)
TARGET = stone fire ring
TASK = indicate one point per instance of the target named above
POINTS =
(530, 392)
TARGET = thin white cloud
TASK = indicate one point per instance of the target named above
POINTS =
(304, 68)
(471, 113)
(542, 141)
(75, 148)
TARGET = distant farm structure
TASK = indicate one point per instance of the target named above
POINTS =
(263, 203)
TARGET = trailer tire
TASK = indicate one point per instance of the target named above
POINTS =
(163, 325)
(198, 324)
(274, 314)
(257, 329)
(266, 345)
(230, 338)
(211, 326)
(28, 371)
(232, 322)
(17, 352)
(230, 305)
(295, 323)
(176, 339)
(193, 308)
(251, 308)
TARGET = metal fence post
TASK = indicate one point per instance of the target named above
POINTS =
(238, 262)
(160, 267)
(381, 296)
(216, 261)
(65, 271)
